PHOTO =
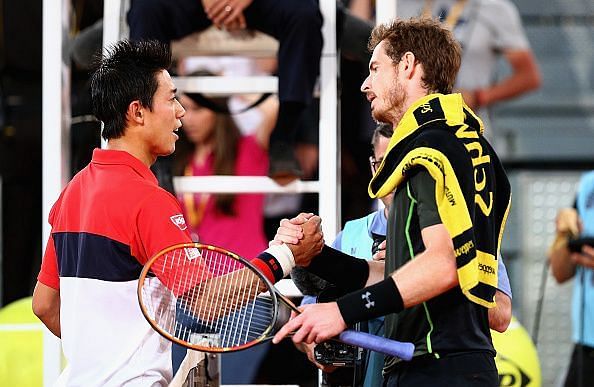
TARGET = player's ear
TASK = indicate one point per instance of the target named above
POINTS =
(408, 64)
(136, 112)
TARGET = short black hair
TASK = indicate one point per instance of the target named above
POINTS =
(125, 72)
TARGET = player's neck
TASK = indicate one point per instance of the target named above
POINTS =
(127, 145)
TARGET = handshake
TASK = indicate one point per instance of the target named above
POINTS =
(303, 235)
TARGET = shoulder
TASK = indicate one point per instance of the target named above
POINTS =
(499, 14)
(154, 195)
(499, 6)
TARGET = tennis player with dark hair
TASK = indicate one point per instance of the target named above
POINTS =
(109, 220)
(451, 199)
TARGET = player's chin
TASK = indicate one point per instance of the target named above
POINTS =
(379, 115)
(166, 151)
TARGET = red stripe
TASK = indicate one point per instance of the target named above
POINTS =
(264, 269)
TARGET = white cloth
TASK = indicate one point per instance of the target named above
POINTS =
(132, 354)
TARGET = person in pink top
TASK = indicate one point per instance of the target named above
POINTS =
(212, 144)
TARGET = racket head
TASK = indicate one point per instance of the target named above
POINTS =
(207, 298)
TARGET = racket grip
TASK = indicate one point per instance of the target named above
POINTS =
(390, 347)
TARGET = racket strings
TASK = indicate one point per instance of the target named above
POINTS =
(207, 299)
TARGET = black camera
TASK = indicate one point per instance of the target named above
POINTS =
(377, 240)
(333, 352)
(337, 354)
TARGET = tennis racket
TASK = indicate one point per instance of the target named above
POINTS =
(208, 299)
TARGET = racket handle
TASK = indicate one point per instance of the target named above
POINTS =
(378, 344)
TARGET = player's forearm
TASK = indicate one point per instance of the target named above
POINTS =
(426, 276)
(376, 272)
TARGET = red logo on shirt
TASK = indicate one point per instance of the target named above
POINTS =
(179, 221)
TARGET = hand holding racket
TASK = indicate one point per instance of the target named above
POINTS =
(209, 299)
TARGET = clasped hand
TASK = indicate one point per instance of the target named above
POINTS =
(316, 322)
(303, 234)
(227, 14)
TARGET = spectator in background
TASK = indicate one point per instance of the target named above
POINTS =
(296, 24)
(565, 265)
(211, 144)
(487, 30)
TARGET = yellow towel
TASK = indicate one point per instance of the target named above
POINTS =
(442, 135)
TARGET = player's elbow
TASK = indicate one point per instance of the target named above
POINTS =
(500, 316)
(41, 309)
(500, 324)
(46, 314)
(46, 305)
(501, 327)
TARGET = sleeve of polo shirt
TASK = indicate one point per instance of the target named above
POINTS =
(160, 224)
(423, 190)
(48, 275)
(507, 27)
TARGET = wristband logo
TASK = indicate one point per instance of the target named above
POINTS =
(273, 264)
(369, 303)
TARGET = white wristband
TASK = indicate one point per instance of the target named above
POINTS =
(283, 255)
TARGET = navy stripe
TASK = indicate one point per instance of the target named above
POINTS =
(272, 263)
(85, 255)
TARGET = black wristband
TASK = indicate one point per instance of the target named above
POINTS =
(346, 272)
(373, 301)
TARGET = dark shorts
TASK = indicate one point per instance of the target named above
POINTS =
(453, 370)
(581, 368)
